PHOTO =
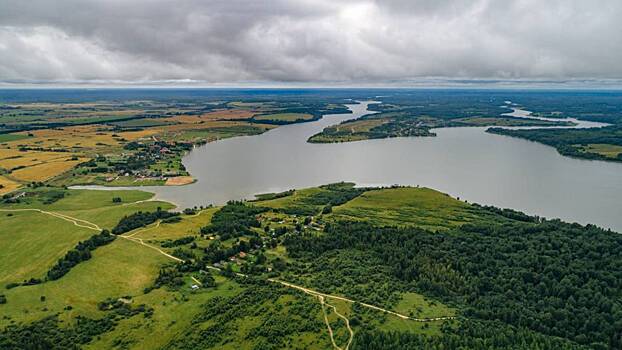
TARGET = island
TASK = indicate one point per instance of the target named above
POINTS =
(416, 116)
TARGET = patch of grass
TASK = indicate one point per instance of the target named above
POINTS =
(12, 137)
(284, 117)
(418, 306)
(606, 150)
(312, 201)
(173, 313)
(189, 225)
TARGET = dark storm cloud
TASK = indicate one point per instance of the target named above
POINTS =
(316, 41)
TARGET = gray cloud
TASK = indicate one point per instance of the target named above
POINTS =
(316, 41)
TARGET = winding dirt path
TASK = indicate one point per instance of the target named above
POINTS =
(140, 241)
(374, 307)
(143, 230)
(330, 330)
(321, 296)
(89, 225)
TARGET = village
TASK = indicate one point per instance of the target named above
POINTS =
(141, 162)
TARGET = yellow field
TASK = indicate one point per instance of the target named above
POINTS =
(211, 116)
(6, 153)
(31, 158)
(80, 137)
(7, 185)
(179, 180)
(44, 171)
(99, 113)
(206, 125)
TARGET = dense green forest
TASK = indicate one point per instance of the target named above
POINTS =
(572, 142)
(551, 278)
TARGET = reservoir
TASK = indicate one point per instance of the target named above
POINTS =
(465, 162)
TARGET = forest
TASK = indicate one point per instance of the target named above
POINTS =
(552, 278)
(572, 142)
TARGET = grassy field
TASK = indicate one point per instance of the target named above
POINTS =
(348, 131)
(31, 242)
(11, 137)
(420, 207)
(296, 199)
(118, 269)
(284, 117)
(189, 226)
(416, 305)
(606, 150)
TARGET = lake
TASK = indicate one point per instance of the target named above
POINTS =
(465, 162)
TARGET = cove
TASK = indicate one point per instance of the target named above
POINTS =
(465, 162)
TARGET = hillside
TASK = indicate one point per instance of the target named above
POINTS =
(332, 266)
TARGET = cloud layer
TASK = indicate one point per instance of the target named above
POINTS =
(311, 41)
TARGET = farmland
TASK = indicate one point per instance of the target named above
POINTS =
(127, 142)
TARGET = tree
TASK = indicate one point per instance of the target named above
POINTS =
(207, 280)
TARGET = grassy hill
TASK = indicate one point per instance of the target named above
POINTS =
(325, 267)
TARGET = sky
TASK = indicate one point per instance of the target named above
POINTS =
(310, 42)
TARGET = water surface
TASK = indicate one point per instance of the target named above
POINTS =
(465, 162)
